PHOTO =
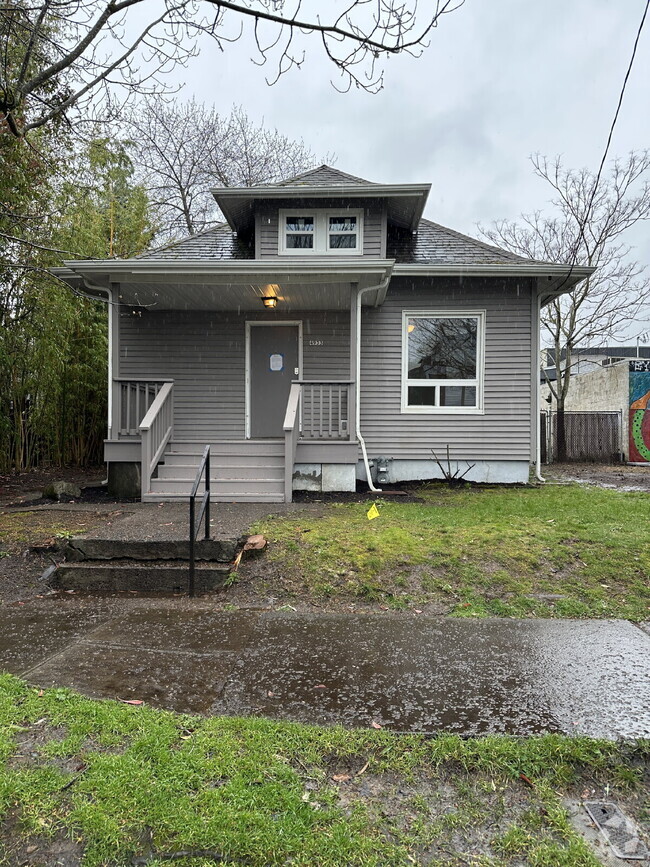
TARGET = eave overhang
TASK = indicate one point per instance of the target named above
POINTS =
(210, 285)
(552, 280)
(405, 202)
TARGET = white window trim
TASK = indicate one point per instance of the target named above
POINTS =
(321, 232)
(480, 366)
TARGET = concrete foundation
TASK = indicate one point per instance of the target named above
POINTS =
(124, 479)
(324, 477)
(493, 472)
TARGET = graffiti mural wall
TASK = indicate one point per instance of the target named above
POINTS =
(639, 412)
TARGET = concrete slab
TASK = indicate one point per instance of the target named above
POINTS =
(400, 671)
(31, 633)
(196, 631)
(170, 521)
(465, 676)
(171, 679)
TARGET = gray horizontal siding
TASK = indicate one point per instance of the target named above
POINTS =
(504, 430)
(204, 353)
(373, 225)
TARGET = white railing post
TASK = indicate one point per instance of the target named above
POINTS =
(291, 428)
(156, 430)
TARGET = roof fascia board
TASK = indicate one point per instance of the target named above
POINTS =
(533, 270)
(239, 267)
(318, 192)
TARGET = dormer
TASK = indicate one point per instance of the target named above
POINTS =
(322, 213)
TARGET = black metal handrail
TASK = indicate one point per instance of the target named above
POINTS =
(195, 525)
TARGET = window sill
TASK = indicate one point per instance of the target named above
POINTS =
(442, 410)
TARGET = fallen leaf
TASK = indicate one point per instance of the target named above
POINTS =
(363, 769)
(341, 778)
(270, 694)
(41, 693)
(131, 701)
(320, 686)
(418, 610)
(375, 725)
(527, 780)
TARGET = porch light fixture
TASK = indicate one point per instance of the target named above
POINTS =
(269, 301)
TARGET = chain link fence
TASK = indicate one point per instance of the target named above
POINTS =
(581, 436)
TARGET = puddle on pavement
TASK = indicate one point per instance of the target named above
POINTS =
(399, 672)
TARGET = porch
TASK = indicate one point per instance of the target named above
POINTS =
(316, 450)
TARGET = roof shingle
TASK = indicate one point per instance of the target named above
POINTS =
(323, 176)
(437, 245)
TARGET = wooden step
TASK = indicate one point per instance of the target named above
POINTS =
(220, 462)
(225, 497)
(221, 474)
(231, 447)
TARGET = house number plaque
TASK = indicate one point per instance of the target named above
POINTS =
(316, 342)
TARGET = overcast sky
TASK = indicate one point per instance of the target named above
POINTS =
(501, 80)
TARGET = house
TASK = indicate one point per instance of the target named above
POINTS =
(324, 333)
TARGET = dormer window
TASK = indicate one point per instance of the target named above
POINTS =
(321, 232)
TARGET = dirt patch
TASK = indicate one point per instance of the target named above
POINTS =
(451, 817)
(28, 486)
(617, 476)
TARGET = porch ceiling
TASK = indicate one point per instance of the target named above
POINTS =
(197, 285)
(236, 296)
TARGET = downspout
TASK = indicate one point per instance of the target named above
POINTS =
(378, 288)
(536, 389)
(109, 298)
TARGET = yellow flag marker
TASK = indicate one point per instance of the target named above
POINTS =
(373, 512)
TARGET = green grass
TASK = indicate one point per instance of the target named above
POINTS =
(558, 551)
(118, 780)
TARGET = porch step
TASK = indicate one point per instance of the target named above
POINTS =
(228, 447)
(177, 458)
(221, 473)
(225, 497)
(240, 471)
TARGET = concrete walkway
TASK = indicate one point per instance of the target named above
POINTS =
(399, 671)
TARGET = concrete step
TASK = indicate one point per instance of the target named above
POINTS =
(154, 576)
(84, 549)
(221, 474)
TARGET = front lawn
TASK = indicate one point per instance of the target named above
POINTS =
(115, 784)
(553, 551)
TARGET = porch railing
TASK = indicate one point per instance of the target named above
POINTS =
(132, 400)
(155, 430)
(316, 409)
(291, 431)
(325, 409)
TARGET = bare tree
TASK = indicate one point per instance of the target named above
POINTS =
(587, 229)
(184, 149)
(59, 54)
